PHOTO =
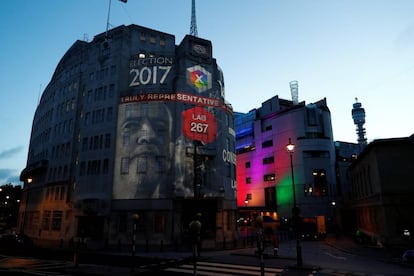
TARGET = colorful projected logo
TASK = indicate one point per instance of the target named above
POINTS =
(199, 78)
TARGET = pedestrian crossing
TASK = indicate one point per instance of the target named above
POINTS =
(49, 267)
(222, 269)
(34, 265)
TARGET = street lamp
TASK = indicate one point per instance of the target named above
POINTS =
(23, 225)
(135, 218)
(295, 210)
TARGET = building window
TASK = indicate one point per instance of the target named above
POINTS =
(56, 220)
(142, 164)
(268, 143)
(159, 223)
(248, 180)
(247, 165)
(111, 90)
(153, 40)
(107, 140)
(85, 144)
(125, 165)
(269, 177)
(105, 168)
(319, 182)
(162, 41)
(82, 168)
(46, 220)
(125, 139)
(87, 118)
(270, 198)
(312, 115)
(268, 160)
(109, 114)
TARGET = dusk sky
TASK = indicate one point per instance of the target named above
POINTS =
(335, 49)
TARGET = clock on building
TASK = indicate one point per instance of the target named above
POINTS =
(200, 49)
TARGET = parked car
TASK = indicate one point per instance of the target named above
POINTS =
(408, 256)
(14, 241)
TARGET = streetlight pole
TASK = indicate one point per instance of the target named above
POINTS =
(295, 210)
(135, 218)
(23, 225)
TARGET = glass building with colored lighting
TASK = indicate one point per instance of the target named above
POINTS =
(133, 133)
(264, 171)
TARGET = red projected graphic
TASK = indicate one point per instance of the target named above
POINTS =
(199, 124)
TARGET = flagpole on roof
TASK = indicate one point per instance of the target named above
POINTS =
(107, 20)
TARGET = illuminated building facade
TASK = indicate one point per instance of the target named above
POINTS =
(132, 125)
(264, 179)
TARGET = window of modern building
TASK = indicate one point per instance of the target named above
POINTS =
(268, 160)
(268, 143)
(270, 198)
(312, 115)
(320, 187)
(248, 180)
(247, 164)
(266, 128)
(269, 177)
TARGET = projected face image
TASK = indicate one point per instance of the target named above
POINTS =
(145, 153)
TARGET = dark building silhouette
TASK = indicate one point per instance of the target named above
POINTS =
(382, 191)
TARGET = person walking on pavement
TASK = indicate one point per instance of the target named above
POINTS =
(195, 235)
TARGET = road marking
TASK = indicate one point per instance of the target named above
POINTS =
(336, 257)
(221, 269)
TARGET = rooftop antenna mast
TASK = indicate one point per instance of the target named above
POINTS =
(193, 28)
(107, 20)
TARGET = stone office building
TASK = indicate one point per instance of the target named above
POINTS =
(132, 128)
